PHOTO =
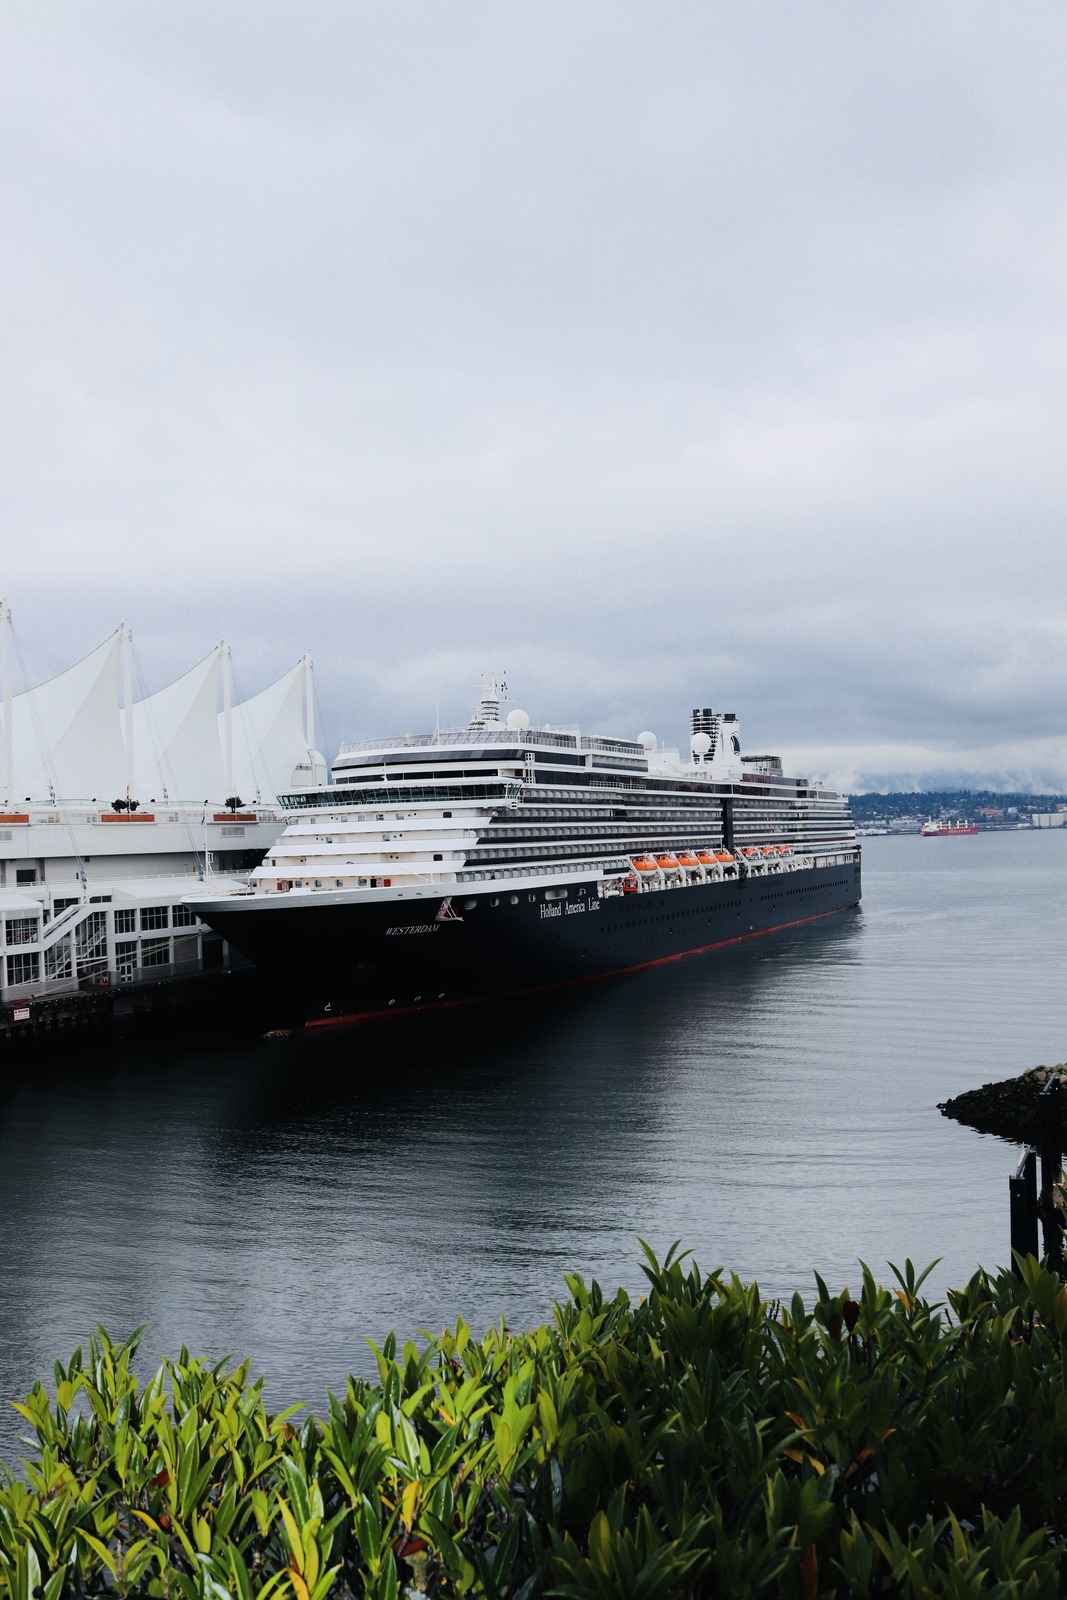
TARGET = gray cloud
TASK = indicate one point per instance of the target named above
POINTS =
(714, 355)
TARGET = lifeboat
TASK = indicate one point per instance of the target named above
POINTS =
(770, 850)
(749, 850)
(686, 859)
(645, 864)
(629, 885)
(668, 861)
(725, 857)
(706, 860)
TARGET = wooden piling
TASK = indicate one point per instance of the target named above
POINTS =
(1048, 1146)
(1022, 1188)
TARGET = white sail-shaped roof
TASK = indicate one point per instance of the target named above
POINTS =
(269, 738)
(66, 738)
(176, 750)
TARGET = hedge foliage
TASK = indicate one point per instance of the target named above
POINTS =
(701, 1442)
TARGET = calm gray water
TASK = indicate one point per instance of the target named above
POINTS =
(774, 1107)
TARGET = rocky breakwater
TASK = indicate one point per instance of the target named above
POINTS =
(1010, 1108)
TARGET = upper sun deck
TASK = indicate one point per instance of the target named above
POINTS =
(493, 749)
(463, 740)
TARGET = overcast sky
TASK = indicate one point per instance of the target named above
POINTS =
(659, 355)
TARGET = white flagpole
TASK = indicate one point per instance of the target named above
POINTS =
(9, 731)
(227, 713)
(127, 660)
(309, 711)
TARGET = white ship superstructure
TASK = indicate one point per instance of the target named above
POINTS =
(502, 800)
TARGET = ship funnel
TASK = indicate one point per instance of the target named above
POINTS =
(705, 724)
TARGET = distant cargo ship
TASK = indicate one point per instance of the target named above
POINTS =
(945, 829)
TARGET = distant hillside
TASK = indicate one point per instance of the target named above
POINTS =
(977, 803)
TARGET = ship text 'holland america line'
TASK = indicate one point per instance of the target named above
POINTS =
(500, 858)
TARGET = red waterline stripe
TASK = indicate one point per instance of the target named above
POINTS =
(355, 1018)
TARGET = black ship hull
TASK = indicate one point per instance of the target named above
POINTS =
(339, 961)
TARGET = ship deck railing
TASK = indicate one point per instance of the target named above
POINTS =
(369, 793)
(521, 738)
(537, 869)
(464, 736)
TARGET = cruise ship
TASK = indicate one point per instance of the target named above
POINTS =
(502, 858)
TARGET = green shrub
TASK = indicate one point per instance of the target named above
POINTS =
(701, 1442)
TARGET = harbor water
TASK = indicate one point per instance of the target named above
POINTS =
(774, 1106)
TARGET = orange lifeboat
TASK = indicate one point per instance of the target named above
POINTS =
(668, 861)
(629, 885)
(704, 859)
(725, 857)
(749, 850)
(687, 859)
(770, 850)
(645, 864)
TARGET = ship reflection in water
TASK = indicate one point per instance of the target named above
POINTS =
(772, 1106)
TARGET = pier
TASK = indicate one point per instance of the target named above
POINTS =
(193, 1000)
(113, 810)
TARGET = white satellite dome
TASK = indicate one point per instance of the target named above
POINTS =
(518, 721)
(647, 740)
(700, 744)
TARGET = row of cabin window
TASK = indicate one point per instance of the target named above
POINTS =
(379, 816)
(299, 883)
(513, 899)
